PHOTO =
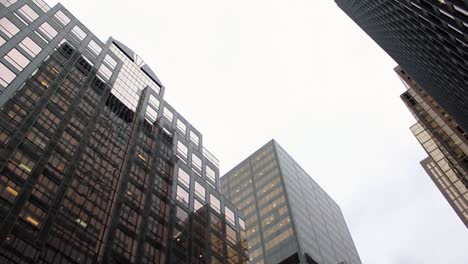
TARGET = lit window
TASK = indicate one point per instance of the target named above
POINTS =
(30, 47)
(78, 32)
(28, 13)
(6, 76)
(60, 16)
(94, 47)
(16, 59)
(48, 30)
(81, 223)
(8, 28)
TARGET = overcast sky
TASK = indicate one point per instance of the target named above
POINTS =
(303, 73)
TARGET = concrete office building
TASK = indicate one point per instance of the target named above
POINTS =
(95, 166)
(289, 217)
(427, 38)
(445, 142)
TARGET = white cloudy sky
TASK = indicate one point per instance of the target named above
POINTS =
(302, 72)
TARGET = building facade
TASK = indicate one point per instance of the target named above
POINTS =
(289, 217)
(427, 38)
(96, 167)
(445, 142)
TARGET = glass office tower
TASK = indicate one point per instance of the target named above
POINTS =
(445, 142)
(95, 166)
(428, 38)
(289, 217)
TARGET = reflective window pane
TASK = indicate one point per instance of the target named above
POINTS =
(78, 33)
(6, 75)
(182, 195)
(16, 59)
(8, 3)
(7, 27)
(182, 149)
(28, 13)
(94, 47)
(184, 177)
(196, 161)
(62, 18)
(210, 173)
(48, 30)
(215, 203)
(200, 190)
(30, 47)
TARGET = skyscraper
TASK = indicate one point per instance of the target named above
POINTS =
(427, 38)
(95, 166)
(445, 142)
(289, 217)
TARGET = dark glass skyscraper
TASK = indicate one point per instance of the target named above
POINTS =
(445, 142)
(95, 166)
(427, 38)
(289, 218)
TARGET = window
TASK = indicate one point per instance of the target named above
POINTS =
(182, 149)
(42, 5)
(110, 61)
(184, 178)
(62, 18)
(154, 102)
(242, 223)
(168, 114)
(6, 76)
(105, 72)
(181, 126)
(215, 203)
(210, 173)
(48, 30)
(28, 13)
(196, 161)
(7, 3)
(194, 138)
(197, 205)
(230, 215)
(94, 47)
(78, 32)
(30, 47)
(199, 190)
(182, 195)
(8, 28)
(16, 59)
